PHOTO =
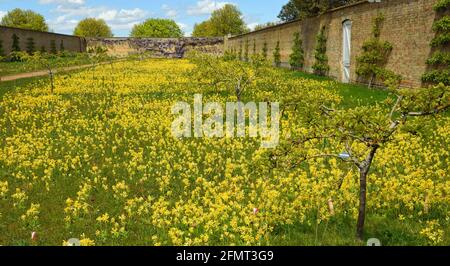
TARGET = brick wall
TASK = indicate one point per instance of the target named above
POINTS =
(407, 27)
(160, 47)
(71, 43)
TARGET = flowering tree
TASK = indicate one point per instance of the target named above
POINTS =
(356, 135)
(228, 73)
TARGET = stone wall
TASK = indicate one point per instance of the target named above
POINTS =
(159, 47)
(41, 39)
(407, 26)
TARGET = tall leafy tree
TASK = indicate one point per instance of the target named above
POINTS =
(91, 27)
(289, 12)
(24, 19)
(224, 21)
(308, 8)
(157, 28)
(203, 29)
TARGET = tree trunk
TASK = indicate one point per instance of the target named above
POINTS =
(371, 80)
(362, 204)
(364, 171)
(51, 81)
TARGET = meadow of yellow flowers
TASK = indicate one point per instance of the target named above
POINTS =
(96, 160)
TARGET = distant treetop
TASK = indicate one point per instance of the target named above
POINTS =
(157, 28)
(24, 19)
(91, 27)
(224, 21)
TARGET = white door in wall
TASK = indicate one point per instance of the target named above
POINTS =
(346, 52)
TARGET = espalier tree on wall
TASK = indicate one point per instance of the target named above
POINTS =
(53, 47)
(371, 63)
(439, 62)
(320, 54)
(61, 46)
(265, 50)
(31, 48)
(15, 47)
(2, 51)
(240, 50)
(247, 46)
(277, 55)
(297, 57)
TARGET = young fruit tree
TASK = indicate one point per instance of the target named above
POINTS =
(49, 62)
(354, 136)
(226, 73)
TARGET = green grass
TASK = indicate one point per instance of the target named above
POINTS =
(338, 231)
(16, 85)
(353, 94)
(21, 84)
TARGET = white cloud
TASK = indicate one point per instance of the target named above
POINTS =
(205, 7)
(2, 13)
(62, 2)
(252, 26)
(170, 12)
(69, 16)
(182, 26)
(123, 15)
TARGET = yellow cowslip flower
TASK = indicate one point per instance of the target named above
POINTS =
(99, 152)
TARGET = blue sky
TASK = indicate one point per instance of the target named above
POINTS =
(121, 15)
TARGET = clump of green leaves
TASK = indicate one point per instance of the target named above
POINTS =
(437, 76)
(277, 55)
(371, 63)
(442, 5)
(297, 57)
(439, 67)
(320, 54)
(439, 58)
